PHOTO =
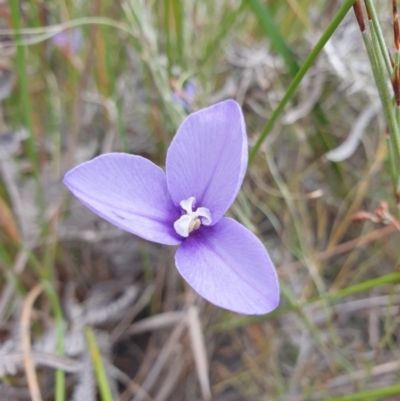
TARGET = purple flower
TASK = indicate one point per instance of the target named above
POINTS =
(69, 41)
(186, 96)
(206, 163)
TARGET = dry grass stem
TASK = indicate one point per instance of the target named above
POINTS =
(348, 246)
(199, 351)
(162, 359)
(25, 325)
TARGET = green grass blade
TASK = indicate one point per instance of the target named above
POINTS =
(266, 20)
(102, 381)
(380, 39)
(369, 395)
(25, 97)
(226, 24)
(343, 10)
(59, 389)
(168, 39)
(324, 141)
(5, 257)
(178, 11)
(365, 286)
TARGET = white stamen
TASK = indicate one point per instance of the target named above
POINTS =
(192, 220)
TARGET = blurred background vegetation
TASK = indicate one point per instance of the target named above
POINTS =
(90, 312)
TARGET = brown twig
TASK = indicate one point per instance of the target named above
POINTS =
(347, 246)
(29, 365)
(199, 351)
(162, 359)
(380, 215)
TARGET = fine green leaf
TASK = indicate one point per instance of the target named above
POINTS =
(266, 20)
(369, 395)
(101, 376)
(59, 389)
(25, 96)
(365, 286)
(343, 10)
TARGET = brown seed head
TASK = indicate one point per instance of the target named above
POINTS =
(391, 59)
(382, 212)
(383, 205)
(359, 15)
(396, 85)
(396, 28)
(362, 215)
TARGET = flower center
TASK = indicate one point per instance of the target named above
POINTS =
(192, 220)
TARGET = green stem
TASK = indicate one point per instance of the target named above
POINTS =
(266, 20)
(355, 289)
(377, 65)
(379, 35)
(369, 395)
(58, 315)
(25, 98)
(343, 10)
(225, 25)
(102, 381)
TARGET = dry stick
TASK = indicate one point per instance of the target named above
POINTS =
(172, 377)
(155, 322)
(131, 314)
(131, 386)
(377, 370)
(44, 359)
(162, 359)
(199, 351)
(341, 381)
(340, 228)
(347, 246)
(357, 242)
(26, 343)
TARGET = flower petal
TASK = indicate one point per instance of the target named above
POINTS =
(207, 158)
(229, 266)
(128, 191)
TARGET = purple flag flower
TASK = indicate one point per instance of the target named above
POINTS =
(186, 96)
(206, 163)
(69, 41)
